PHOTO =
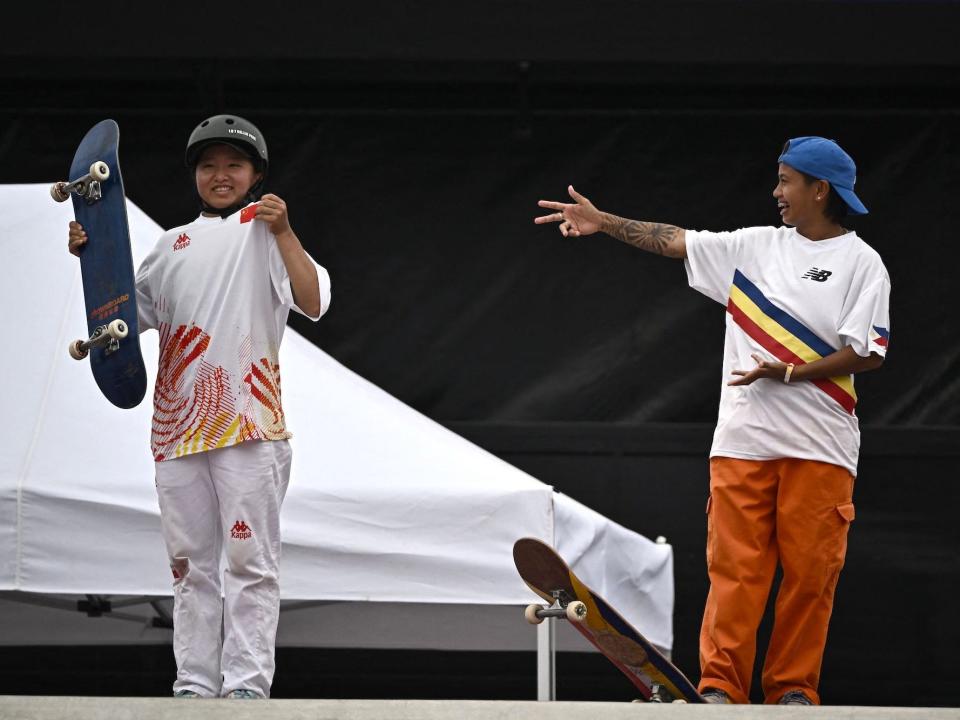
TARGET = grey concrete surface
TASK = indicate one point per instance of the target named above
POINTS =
(87, 708)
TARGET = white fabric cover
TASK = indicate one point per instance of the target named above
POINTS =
(384, 504)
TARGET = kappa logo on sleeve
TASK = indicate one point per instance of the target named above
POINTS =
(241, 531)
(182, 242)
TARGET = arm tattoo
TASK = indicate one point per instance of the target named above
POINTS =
(650, 236)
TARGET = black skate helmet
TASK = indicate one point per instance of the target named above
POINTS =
(238, 133)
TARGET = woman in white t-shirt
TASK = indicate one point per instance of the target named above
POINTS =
(807, 309)
(218, 291)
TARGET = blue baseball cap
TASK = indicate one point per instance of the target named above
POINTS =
(825, 160)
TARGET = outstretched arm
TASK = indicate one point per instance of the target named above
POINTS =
(582, 218)
(659, 238)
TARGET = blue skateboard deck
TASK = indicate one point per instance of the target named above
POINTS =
(106, 266)
(546, 573)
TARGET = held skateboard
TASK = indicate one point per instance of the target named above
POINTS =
(106, 266)
(545, 572)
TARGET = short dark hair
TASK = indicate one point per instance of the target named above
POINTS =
(836, 209)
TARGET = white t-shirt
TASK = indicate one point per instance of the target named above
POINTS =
(219, 295)
(794, 300)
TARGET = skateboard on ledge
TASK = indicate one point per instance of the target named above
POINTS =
(546, 573)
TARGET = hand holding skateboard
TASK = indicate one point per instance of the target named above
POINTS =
(76, 238)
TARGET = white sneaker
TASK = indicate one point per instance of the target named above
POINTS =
(243, 695)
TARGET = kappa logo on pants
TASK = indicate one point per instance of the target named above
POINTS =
(241, 531)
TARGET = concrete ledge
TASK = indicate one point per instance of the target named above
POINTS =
(84, 708)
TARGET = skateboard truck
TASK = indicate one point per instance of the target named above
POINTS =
(109, 335)
(87, 187)
(659, 694)
(564, 606)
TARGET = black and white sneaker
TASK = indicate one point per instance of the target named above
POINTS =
(715, 696)
(794, 697)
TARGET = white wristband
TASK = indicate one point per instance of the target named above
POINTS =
(788, 373)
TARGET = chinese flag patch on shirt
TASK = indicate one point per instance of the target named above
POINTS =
(248, 213)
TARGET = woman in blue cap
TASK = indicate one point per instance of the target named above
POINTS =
(807, 309)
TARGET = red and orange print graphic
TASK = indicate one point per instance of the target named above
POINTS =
(263, 381)
(205, 416)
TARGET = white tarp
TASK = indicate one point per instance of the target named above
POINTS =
(384, 504)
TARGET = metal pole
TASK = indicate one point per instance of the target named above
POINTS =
(546, 661)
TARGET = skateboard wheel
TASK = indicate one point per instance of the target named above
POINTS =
(576, 611)
(530, 613)
(117, 329)
(57, 193)
(76, 352)
(99, 170)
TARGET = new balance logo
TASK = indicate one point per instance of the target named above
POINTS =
(817, 274)
(181, 242)
(241, 531)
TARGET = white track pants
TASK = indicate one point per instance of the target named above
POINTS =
(224, 634)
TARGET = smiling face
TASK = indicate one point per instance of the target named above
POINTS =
(224, 176)
(800, 202)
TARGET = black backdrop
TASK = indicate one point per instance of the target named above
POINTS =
(448, 296)
(412, 146)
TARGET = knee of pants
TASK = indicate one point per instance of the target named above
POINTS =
(180, 567)
(247, 556)
(201, 547)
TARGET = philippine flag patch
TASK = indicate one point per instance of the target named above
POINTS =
(880, 336)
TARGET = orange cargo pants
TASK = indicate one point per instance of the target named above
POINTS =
(797, 513)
